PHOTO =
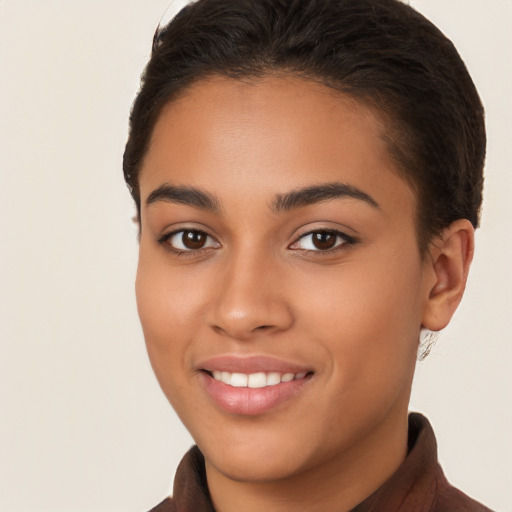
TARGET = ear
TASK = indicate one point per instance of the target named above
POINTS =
(449, 259)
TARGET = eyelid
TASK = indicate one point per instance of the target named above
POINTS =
(346, 240)
(164, 241)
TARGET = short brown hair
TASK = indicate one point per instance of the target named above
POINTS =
(381, 52)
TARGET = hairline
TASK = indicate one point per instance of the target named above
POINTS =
(389, 125)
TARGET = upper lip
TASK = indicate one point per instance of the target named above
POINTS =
(251, 364)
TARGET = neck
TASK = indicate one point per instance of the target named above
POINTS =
(338, 484)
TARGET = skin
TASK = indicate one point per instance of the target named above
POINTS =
(259, 286)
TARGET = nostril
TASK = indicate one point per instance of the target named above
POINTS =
(239, 335)
(218, 330)
(263, 327)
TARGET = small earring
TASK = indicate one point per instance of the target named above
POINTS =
(427, 340)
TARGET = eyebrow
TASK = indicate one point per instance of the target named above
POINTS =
(190, 196)
(298, 198)
(306, 196)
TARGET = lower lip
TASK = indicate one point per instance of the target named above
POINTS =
(251, 401)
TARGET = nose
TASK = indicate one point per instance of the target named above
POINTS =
(251, 298)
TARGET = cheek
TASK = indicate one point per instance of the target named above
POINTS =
(367, 317)
(164, 308)
(168, 298)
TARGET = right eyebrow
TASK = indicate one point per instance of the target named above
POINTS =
(190, 196)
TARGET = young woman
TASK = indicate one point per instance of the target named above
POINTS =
(308, 177)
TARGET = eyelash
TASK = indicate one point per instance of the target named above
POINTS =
(165, 241)
(343, 242)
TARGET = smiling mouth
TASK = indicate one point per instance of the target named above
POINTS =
(253, 385)
(255, 380)
(251, 394)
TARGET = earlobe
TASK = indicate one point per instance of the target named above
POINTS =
(450, 257)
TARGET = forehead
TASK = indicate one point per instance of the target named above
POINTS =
(267, 136)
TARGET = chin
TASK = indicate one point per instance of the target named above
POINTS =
(263, 454)
(243, 466)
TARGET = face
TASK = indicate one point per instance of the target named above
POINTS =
(280, 285)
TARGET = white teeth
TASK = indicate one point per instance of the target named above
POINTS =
(273, 378)
(239, 380)
(255, 380)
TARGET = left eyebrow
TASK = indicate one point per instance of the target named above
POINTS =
(306, 196)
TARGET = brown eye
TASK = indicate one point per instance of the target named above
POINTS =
(193, 240)
(189, 240)
(324, 240)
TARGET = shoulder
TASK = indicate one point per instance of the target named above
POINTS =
(449, 499)
(165, 506)
(190, 490)
(446, 498)
(419, 484)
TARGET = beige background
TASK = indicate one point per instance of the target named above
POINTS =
(83, 425)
